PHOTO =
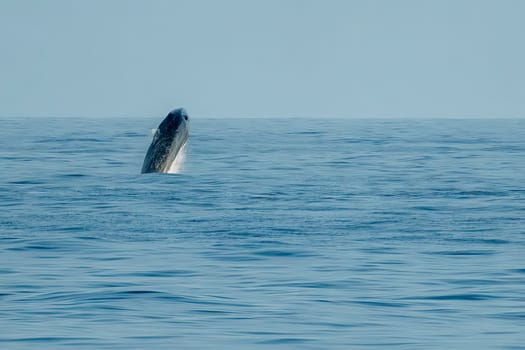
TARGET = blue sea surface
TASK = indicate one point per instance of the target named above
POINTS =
(278, 233)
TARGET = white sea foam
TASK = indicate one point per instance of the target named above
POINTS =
(176, 166)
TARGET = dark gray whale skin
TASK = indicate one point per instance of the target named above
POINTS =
(169, 138)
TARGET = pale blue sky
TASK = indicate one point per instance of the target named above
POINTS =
(403, 58)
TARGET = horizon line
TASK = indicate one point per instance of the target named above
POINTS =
(264, 117)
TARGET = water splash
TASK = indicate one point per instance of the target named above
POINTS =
(176, 166)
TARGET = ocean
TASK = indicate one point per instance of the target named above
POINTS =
(277, 233)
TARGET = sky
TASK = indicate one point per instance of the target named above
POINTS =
(263, 58)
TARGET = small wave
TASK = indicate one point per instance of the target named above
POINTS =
(471, 296)
(463, 252)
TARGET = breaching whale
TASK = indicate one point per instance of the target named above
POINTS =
(170, 137)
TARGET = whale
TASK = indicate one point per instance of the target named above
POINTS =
(168, 140)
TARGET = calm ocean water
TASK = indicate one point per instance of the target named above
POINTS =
(279, 233)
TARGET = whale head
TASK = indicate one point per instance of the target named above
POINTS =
(170, 137)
